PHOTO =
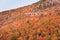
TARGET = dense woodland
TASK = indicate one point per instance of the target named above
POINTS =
(39, 21)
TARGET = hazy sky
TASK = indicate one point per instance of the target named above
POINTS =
(10, 4)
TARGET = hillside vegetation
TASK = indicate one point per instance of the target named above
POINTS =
(39, 21)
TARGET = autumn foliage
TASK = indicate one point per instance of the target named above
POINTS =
(30, 23)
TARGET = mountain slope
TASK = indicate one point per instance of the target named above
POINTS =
(39, 21)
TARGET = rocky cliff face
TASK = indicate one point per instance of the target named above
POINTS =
(39, 21)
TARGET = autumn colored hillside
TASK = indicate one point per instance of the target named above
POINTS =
(38, 21)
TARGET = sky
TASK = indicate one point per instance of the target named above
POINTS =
(12, 4)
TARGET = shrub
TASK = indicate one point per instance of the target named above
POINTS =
(14, 37)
